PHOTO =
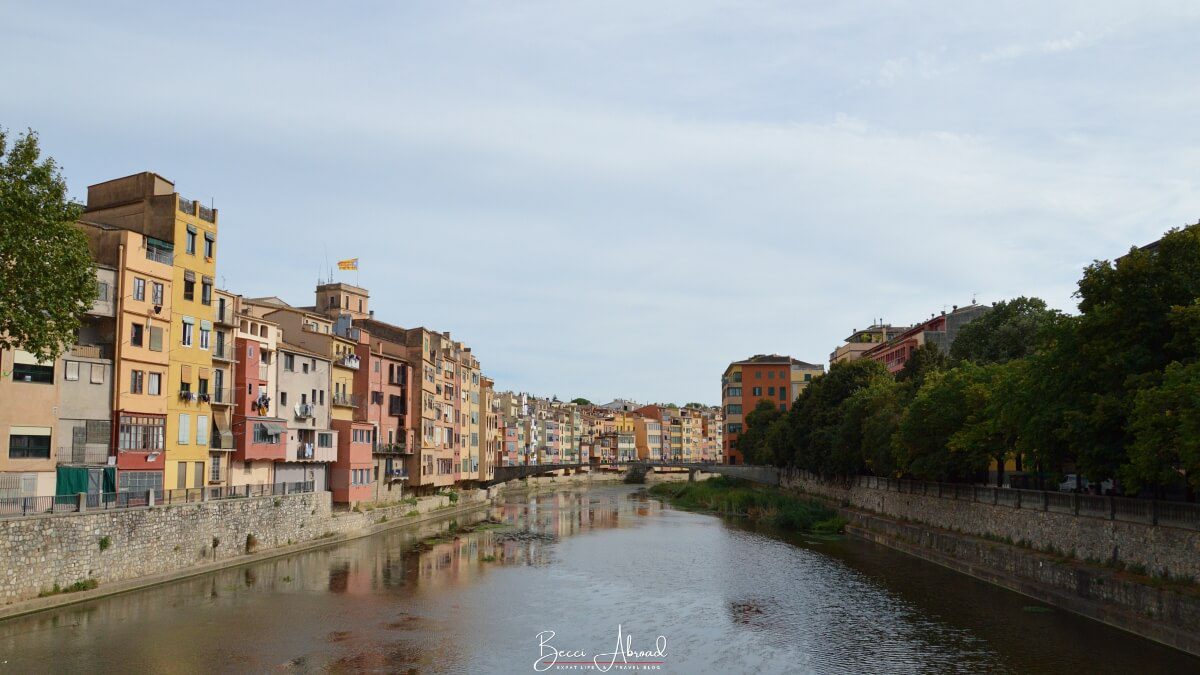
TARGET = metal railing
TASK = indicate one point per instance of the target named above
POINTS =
(1146, 511)
(206, 214)
(24, 507)
(187, 205)
(343, 399)
(224, 396)
(160, 255)
(223, 352)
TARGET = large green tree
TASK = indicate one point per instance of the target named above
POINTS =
(754, 442)
(1009, 331)
(942, 407)
(815, 417)
(1165, 425)
(47, 281)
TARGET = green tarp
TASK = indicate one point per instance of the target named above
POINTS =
(71, 480)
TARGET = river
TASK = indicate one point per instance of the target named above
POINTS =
(726, 598)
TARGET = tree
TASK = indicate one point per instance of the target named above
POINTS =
(1009, 331)
(925, 360)
(581, 401)
(697, 406)
(939, 411)
(815, 417)
(47, 281)
(1165, 424)
(753, 442)
(870, 418)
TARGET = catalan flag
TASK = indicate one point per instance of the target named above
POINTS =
(351, 264)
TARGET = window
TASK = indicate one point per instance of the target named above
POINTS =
(209, 245)
(33, 372)
(102, 291)
(157, 294)
(304, 367)
(322, 392)
(156, 339)
(733, 409)
(206, 292)
(783, 407)
(136, 334)
(143, 434)
(189, 289)
(733, 391)
(202, 429)
(808, 377)
(770, 375)
(783, 393)
(289, 362)
(733, 428)
(770, 391)
(202, 385)
(191, 240)
(204, 337)
(141, 481)
(758, 374)
(97, 373)
(186, 339)
(155, 384)
(139, 288)
(185, 428)
(283, 398)
(215, 472)
(136, 379)
(757, 391)
(72, 370)
(32, 444)
(325, 440)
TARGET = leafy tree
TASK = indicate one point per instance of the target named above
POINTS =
(1165, 424)
(925, 360)
(753, 442)
(941, 408)
(47, 281)
(815, 417)
(871, 417)
(697, 406)
(581, 401)
(1009, 331)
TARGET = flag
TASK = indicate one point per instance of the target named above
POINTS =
(351, 264)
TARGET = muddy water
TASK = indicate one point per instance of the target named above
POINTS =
(583, 564)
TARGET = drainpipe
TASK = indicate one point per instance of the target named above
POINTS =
(118, 340)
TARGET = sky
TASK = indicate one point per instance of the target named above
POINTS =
(617, 199)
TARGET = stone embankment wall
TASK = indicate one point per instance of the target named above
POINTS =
(39, 553)
(1159, 550)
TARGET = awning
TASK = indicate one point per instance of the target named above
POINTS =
(189, 275)
(159, 243)
(223, 436)
(273, 428)
(191, 228)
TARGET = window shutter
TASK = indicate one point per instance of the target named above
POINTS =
(185, 428)
(156, 339)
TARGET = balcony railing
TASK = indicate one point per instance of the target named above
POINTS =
(17, 507)
(397, 473)
(304, 411)
(160, 255)
(223, 396)
(187, 206)
(207, 214)
(305, 451)
(391, 449)
(223, 353)
(225, 316)
(346, 400)
(348, 361)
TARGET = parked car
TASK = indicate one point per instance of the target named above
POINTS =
(1068, 484)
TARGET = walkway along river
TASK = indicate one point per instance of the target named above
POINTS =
(579, 562)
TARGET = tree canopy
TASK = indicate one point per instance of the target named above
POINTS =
(47, 280)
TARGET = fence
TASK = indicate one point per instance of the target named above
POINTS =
(1146, 511)
(23, 507)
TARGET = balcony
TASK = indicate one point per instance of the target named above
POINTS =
(391, 449)
(346, 400)
(396, 473)
(207, 214)
(187, 206)
(225, 316)
(223, 396)
(348, 361)
(224, 352)
(160, 255)
(304, 411)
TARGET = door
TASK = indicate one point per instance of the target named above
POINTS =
(95, 481)
(181, 480)
(199, 468)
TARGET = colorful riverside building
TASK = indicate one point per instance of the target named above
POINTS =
(862, 341)
(771, 377)
(185, 232)
(259, 428)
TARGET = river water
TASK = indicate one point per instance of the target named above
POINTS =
(581, 563)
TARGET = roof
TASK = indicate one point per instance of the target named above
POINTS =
(382, 330)
(289, 347)
(270, 300)
(766, 359)
(920, 328)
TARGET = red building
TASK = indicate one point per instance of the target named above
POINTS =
(257, 436)
(384, 384)
(938, 330)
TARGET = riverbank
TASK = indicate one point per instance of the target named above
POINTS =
(1157, 609)
(734, 497)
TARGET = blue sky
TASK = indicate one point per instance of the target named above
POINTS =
(619, 198)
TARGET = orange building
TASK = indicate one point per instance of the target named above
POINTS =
(763, 377)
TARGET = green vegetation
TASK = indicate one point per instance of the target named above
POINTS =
(84, 585)
(733, 497)
(47, 280)
(412, 513)
(1113, 391)
(488, 558)
(453, 496)
(581, 401)
(105, 542)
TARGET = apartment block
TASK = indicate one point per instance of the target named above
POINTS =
(770, 377)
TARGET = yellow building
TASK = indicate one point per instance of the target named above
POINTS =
(147, 203)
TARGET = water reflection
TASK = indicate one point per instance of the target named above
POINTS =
(469, 594)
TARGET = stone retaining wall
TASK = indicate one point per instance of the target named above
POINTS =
(109, 546)
(1159, 550)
